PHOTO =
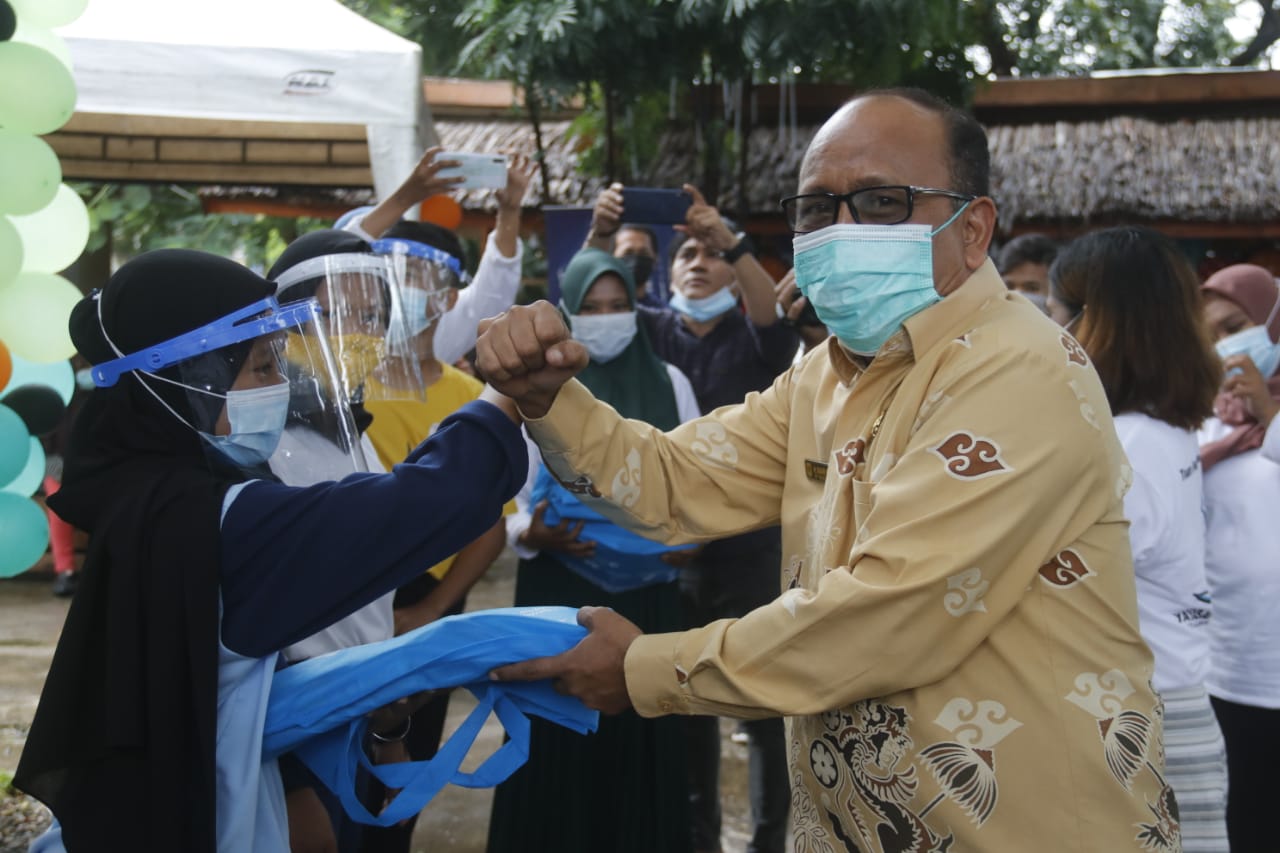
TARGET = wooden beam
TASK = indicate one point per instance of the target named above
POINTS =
(1208, 87)
(130, 125)
(217, 173)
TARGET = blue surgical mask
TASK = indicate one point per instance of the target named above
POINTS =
(605, 336)
(420, 308)
(864, 281)
(705, 308)
(257, 417)
(1256, 343)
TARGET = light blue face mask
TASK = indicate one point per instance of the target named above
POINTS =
(705, 308)
(1256, 343)
(420, 308)
(865, 280)
(257, 417)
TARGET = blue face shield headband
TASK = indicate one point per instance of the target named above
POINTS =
(261, 318)
(397, 246)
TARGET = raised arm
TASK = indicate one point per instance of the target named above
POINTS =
(704, 223)
(421, 184)
(497, 280)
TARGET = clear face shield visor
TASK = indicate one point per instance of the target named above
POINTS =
(359, 306)
(424, 280)
(248, 382)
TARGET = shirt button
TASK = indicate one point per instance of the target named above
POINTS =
(665, 706)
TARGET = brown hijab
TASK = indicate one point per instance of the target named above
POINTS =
(1254, 289)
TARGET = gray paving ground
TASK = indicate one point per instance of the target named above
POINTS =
(455, 822)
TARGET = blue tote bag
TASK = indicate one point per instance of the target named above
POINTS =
(317, 709)
(622, 561)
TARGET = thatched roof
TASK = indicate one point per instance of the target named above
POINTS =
(1208, 170)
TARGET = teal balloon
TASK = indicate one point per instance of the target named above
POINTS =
(30, 478)
(15, 444)
(55, 235)
(49, 13)
(11, 251)
(30, 173)
(24, 534)
(39, 94)
(34, 310)
(58, 375)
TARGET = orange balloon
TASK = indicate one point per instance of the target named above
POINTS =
(442, 210)
(6, 365)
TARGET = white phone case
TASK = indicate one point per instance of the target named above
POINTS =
(482, 171)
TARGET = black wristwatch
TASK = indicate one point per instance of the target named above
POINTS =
(742, 247)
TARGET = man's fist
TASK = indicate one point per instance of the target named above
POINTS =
(527, 354)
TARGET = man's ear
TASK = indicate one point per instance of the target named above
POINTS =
(979, 228)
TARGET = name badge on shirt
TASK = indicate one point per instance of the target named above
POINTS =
(815, 470)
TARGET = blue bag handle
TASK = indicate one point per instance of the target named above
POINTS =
(419, 781)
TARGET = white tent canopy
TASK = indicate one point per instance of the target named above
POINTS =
(255, 60)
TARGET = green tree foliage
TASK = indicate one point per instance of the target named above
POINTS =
(128, 219)
(626, 57)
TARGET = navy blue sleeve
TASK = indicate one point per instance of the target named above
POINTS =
(295, 560)
(777, 345)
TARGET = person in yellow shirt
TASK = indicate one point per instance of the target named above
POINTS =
(955, 643)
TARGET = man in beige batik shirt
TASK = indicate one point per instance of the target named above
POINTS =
(955, 642)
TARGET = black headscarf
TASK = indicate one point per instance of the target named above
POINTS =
(122, 745)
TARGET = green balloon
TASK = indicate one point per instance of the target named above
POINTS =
(11, 252)
(54, 236)
(24, 534)
(45, 38)
(49, 13)
(15, 444)
(30, 173)
(30, 478)
(39, 94)
(34, 310)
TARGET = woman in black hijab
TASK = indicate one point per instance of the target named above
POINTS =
(200, 567)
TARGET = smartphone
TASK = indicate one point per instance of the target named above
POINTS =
(654, 206)
(481, 171)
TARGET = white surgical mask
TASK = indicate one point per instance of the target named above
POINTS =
(604, 335)
(257, 417)
(702, 309)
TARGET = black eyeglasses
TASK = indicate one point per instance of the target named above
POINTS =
(869, 206)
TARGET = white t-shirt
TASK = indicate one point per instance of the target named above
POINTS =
(305, 458)
(1166, 533)
(1242, 562)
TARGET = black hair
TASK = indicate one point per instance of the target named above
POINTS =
(648, 232)
(1142, 325)
(970, 156)
(1027, 249)
(429, 234)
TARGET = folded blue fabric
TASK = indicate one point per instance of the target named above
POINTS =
(622, 561)
(317, 708)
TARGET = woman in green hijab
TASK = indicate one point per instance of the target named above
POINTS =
(624, 788)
